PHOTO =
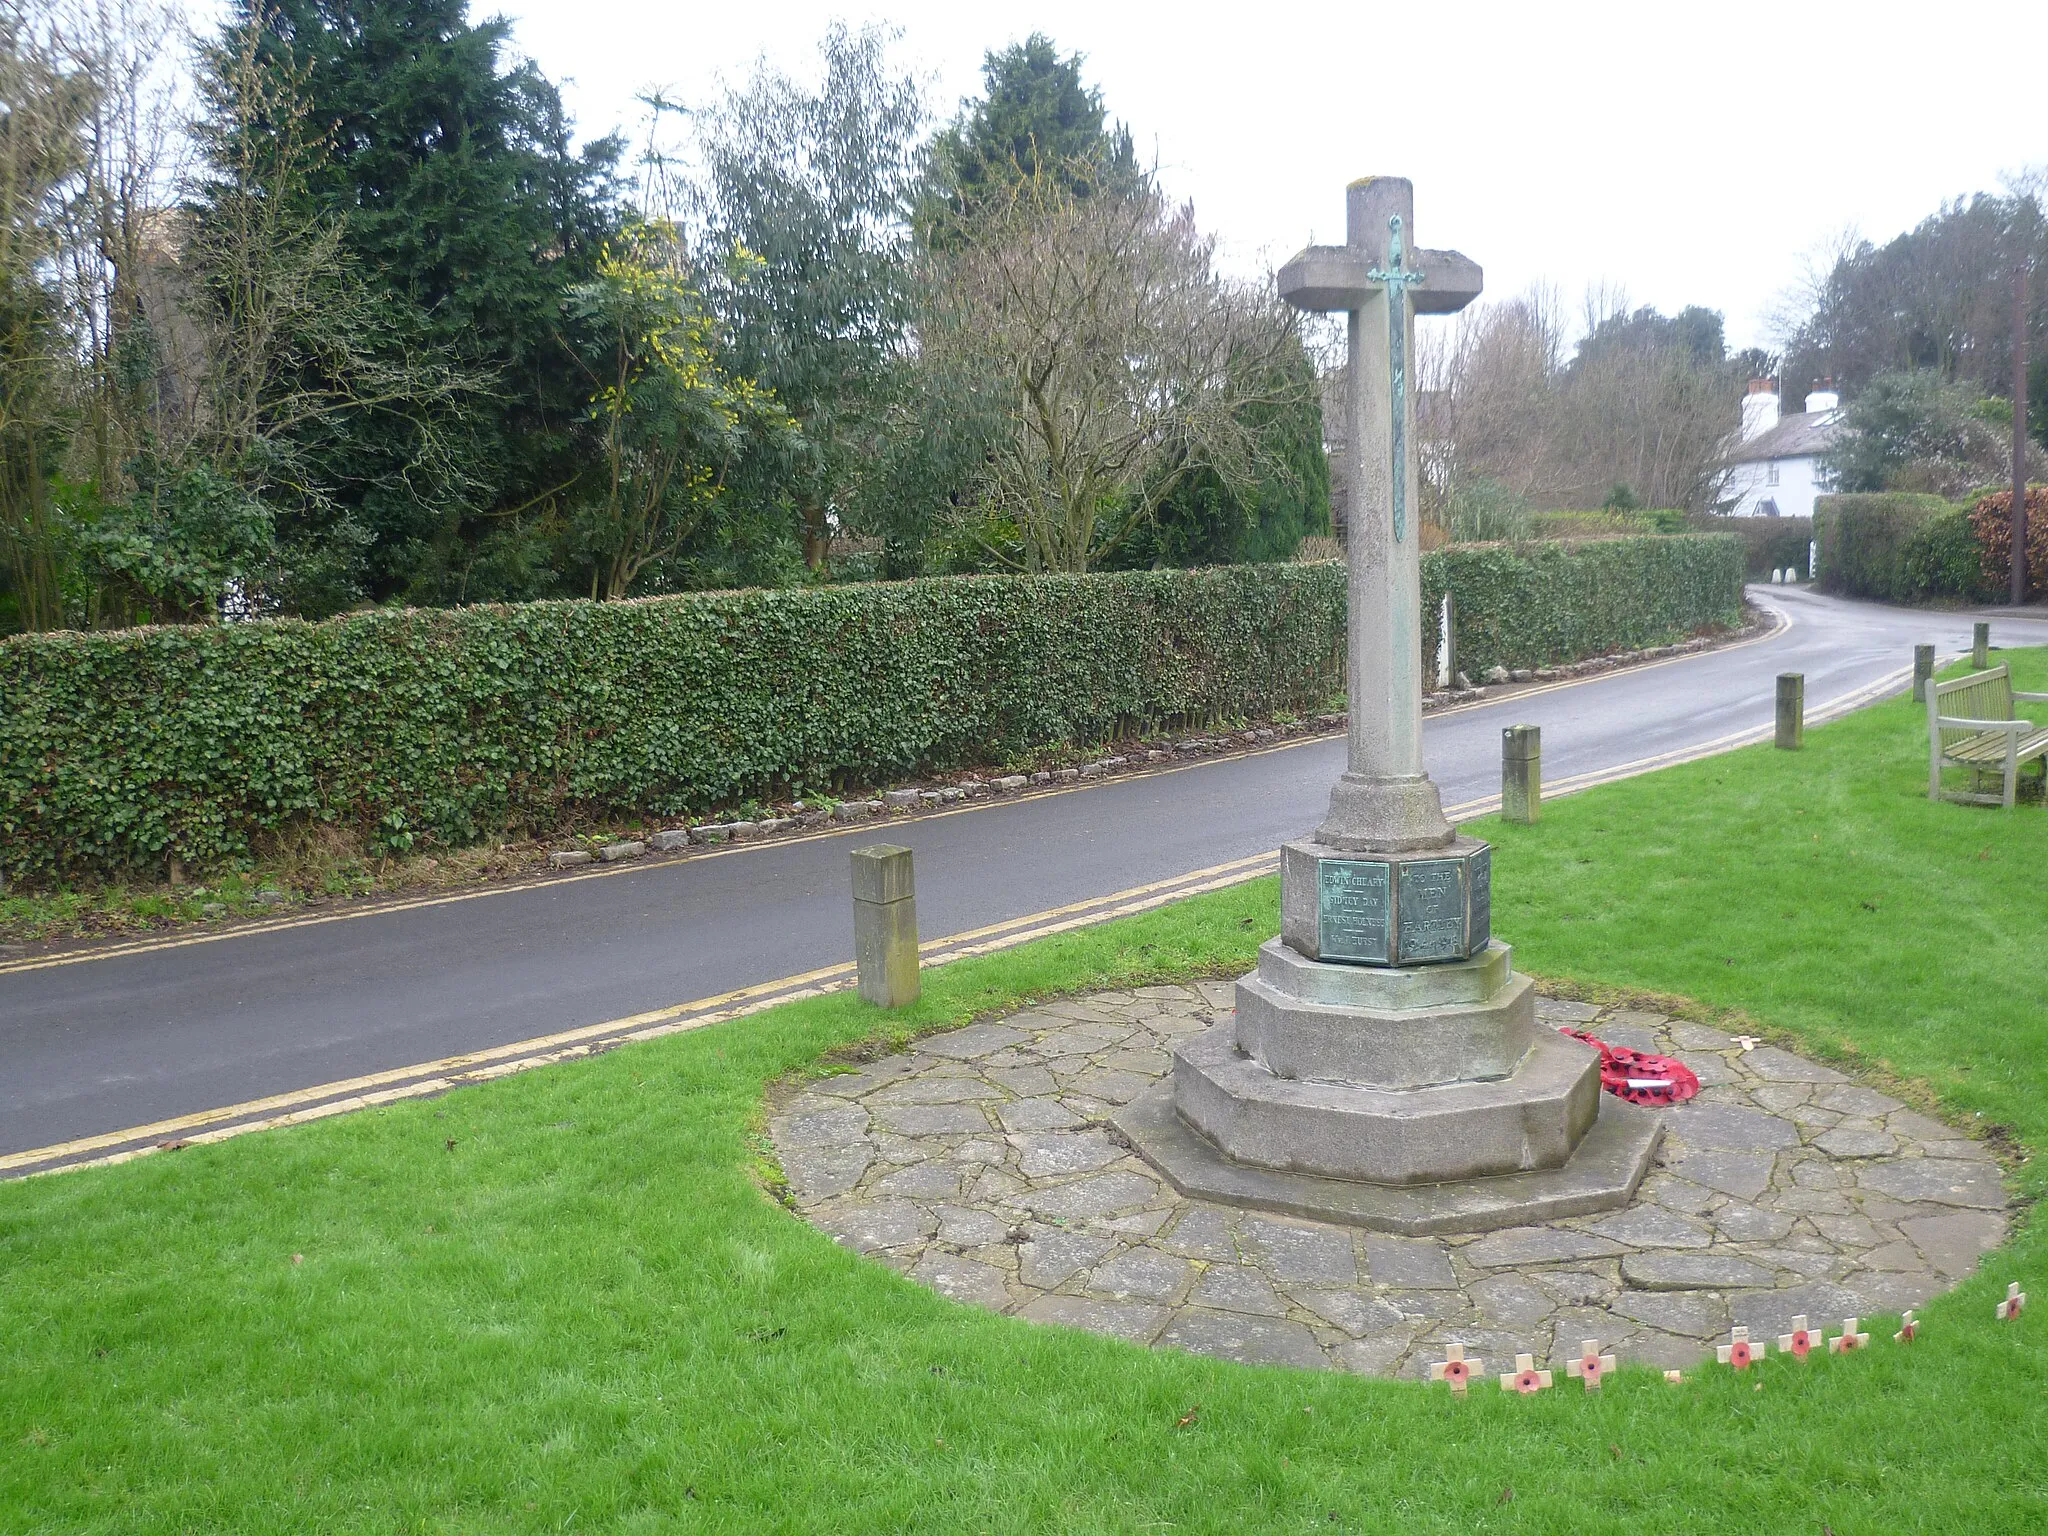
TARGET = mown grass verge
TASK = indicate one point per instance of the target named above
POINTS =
(562, 1302)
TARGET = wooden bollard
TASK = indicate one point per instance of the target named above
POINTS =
(1980, 645)
(1791, 710)
(885, 925)
(1521, 774)
(1923, 669)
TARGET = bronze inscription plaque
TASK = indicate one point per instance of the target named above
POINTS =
(1432, 910)
(1354, 912)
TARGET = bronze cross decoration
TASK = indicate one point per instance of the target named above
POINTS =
(1396, 280)
(1373, 264)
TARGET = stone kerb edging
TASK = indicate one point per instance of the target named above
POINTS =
(908, 800)
(980, 1163)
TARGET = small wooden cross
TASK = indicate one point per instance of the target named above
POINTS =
(1524, 1378)
(1747, 1043)
(1455, 1369)
(1909, 1328)
(1739, 1351)
(1674, 1378)
(1848, 1338)
(1799, 1342)
(2009, 1309)
(1591, 1365)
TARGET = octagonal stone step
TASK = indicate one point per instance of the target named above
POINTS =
(1317, 1022)
(1529, 1120)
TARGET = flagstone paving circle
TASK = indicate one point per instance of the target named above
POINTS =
(981, 1163)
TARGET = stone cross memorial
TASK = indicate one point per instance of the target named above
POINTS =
(1384, 1065)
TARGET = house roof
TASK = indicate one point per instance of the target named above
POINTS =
(1801, 436)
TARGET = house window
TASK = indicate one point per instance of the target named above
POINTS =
(1767, 508)
(1771, 473)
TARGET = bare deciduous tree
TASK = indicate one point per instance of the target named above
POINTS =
(1119, 357)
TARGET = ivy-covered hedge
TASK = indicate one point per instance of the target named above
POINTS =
(1887, 546)
(1535, 605)
(1769, 543)
(439, 727)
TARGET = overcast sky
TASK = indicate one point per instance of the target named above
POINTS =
(1689, 152)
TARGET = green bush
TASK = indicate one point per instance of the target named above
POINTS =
(1538, 605)
(439, 727)
(1945, 559)
(1769, 543)
(1866, 539)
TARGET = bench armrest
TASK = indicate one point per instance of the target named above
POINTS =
(2032, 698)
(1957, 723)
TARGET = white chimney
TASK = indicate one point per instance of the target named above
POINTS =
(1824, 399)
(1759, 409)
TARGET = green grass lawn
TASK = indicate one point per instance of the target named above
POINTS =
(585, 1316)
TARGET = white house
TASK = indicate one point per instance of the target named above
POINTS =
(1774, 467)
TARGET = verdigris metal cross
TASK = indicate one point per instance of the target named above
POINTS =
(1384, 800)
(1395, 280)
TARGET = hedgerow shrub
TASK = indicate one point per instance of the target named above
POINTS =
(1864, 539)
(1535, 605)
(438, 727)
(1769, 543)
(1990, 523)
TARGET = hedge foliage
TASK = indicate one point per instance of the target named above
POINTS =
(1535, 605)
(439, 727)
(1991, 530)
(1769, 543)
(1887, 545)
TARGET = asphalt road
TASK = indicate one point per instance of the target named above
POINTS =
(128, 1039)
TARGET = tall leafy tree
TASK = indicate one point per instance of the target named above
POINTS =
(1036, 116)
(803, 212)
(456, 184)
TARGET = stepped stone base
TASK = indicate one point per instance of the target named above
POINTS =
(1602, 1174)
(1470, 1021)
(1463, 1130)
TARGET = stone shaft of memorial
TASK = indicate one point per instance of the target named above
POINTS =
(1384, 802)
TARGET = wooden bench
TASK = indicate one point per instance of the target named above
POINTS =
(1970, 725)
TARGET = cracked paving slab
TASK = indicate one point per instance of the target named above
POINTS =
(979, 1164)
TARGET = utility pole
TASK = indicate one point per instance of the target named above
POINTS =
(2019, 433)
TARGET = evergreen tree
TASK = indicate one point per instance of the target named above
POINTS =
(458, 188)
(1036, 114)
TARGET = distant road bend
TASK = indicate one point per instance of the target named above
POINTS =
(125, 1050)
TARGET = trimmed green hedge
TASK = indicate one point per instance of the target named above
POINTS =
(1770, 543)
(440, 727)
(1536, 605)
(1889, 546)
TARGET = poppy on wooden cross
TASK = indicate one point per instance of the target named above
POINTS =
(1800, 1341)
(1455, 1369)
(2009, 1309)
(1524, 1378)
(1739, 1351)
(1591, 1365)
(1848, 1338)
(1909, 1328)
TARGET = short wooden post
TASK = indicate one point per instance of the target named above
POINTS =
(1923, 669)
(1980, 645)
(1791, 710)
(885, 925)
(1521, 774)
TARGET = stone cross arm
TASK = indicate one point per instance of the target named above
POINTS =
(1325, 277)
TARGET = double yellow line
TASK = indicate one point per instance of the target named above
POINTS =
(431, 1077)
(423, 1079)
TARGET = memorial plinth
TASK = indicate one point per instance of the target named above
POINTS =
(1384, 1065)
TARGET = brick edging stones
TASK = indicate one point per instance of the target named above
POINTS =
(981, 1163)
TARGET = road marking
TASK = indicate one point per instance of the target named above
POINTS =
(395, 1083)
(425, 1079)
(395, 905)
